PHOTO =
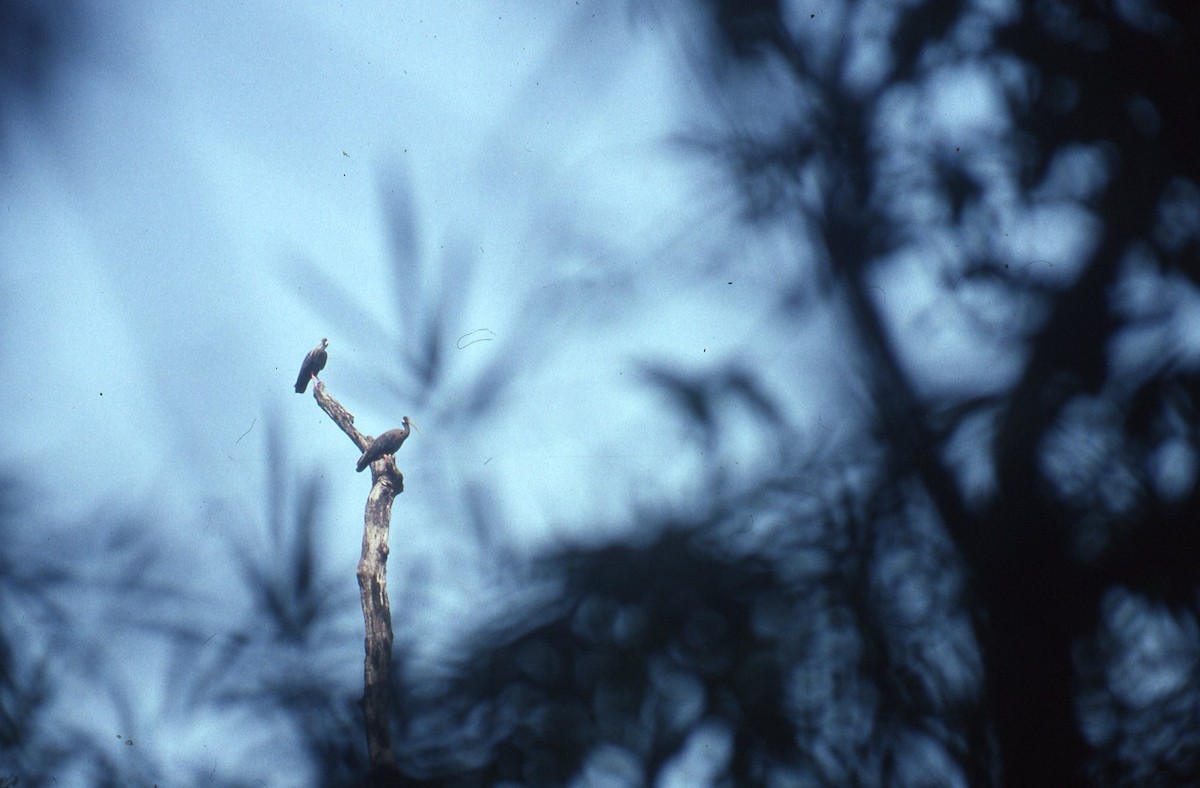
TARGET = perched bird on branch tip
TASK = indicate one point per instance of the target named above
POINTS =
(385, 444)
(314, 362)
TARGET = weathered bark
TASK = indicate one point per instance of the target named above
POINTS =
(377, 614)
(387, 482)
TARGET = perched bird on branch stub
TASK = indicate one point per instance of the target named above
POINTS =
(314, 362)
(385, 444)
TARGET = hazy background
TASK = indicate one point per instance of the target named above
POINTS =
(632, 272)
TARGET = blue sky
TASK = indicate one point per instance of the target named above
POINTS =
(200, 161)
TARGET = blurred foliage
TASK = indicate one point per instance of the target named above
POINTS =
(46, 647)
(36, 41)
(279, 659)
(273, 662)
(1091, 452)
(411, 362)
(873, 620)
(715, 652)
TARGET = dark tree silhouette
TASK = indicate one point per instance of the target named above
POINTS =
(755, 641)
(1119, 82)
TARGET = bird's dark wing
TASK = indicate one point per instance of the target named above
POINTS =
(319, 357)
(366, 459)
(373, 453)
(314, 362)
(387, 443)
(306, 371)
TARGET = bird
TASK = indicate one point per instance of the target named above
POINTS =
(314, 362)
(387, 443)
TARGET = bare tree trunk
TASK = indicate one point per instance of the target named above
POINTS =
(377, 616)
(372, 583)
